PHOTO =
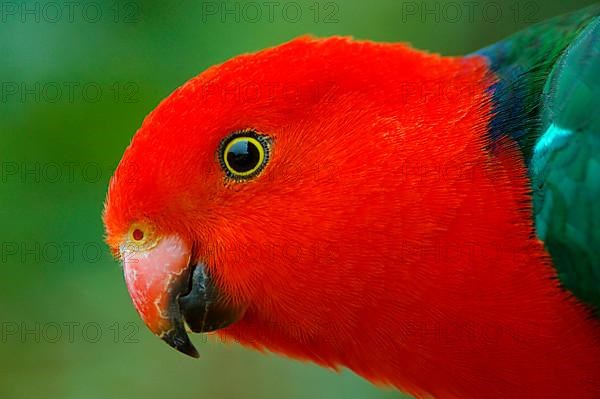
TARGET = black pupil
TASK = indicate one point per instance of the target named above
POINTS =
(243, 156)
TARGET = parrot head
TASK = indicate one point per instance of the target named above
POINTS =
(255, 200)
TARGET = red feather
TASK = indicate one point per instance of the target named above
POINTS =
(382, 236)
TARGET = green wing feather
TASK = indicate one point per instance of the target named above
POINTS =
(548, 101)
(565, 166)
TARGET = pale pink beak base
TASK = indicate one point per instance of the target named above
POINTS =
(155, 278)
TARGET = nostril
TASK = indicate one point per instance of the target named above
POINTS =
(138, 235)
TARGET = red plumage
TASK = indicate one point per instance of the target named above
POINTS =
(383, 235)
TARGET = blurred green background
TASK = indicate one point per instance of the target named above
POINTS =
(77, 78)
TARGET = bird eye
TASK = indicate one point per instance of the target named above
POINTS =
(244, 154)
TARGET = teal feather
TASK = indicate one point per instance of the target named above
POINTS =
(548, 101)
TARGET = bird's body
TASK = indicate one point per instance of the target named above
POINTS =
(390, 227)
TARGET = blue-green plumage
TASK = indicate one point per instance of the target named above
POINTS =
(547, 99)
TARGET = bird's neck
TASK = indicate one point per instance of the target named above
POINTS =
(477, 309)
(483, 313)
(491, 319)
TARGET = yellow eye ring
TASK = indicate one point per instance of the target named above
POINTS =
(140, 237)
(244, 154)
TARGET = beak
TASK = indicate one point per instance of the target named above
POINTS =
(166, 288)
